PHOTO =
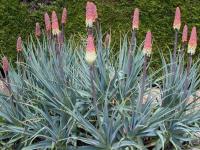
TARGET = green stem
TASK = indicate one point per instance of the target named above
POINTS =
(93, 90)
(181, 58)
(187, 78)
(131, 51)
(143, 82)
(174, 52)
(63, 32)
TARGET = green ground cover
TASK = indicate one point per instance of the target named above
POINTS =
(19, 18)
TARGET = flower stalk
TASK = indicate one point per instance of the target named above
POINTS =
(192, 44)
(131, 51)
(90, 55)
(144, 74)
(176, 26)
(135, 26)
(184, 44)
(147, 52)
(174, 52)
(107, 45)
(63, 22)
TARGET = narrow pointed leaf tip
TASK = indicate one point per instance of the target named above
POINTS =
(90, 55)
(37, 30)
(148, 44)
(19, 44)
(64, 16)
(5, 64)
(135, 21)
(91, 14)
(185, 34)
(192, 44)
(55, 26)
(177, 19)
(47, 22)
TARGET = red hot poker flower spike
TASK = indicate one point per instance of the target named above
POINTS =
(177, 19)
(91, 14)
(148, 44)
(19, 44)
(37, 30)
(55, 26)
(185, 34)
(64, 16)
(47, 22)
(5, 64)
(90, 55)
(192, 44)
(135, 21)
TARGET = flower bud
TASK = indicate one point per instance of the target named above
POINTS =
(135, 21)
(91, 14)
(148, 44)
(177, 19)
(5, 64)
(64, 16)
(47, 22)
(19, 44)
(37, 30)
(192, 44)
(55, 26)
(185, 34)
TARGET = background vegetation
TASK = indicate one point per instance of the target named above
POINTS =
(19, 17)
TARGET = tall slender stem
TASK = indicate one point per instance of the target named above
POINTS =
(63, 32)
(131, 51)
(49, 35)
(143, 81)
(93, 90)
(181, 58)
(186, 86)
(7, 79)
(174, 52)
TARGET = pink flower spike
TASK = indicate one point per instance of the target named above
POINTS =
(135, 21)
(148, 44)
(192, 44)
(64, 16)
(90, 55)
(90, 43)
(55, 26)
(47, 22)
(5, 64)
(91, 14)
(37, 30)
(177, 19)
(185, 34)
(19, 44)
